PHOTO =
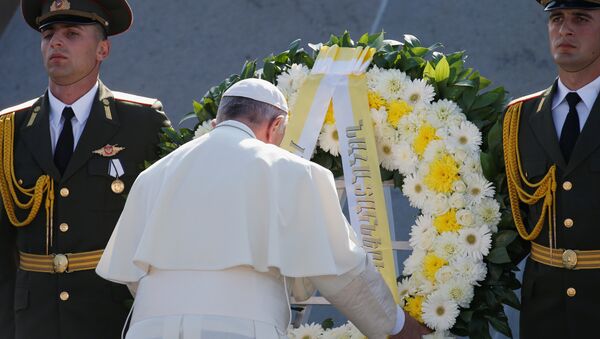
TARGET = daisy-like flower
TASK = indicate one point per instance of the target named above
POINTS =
(470, 269)
(439, 313)
(443, 172)
(471, 166)
(431, 264)
(489, 212)
(373, 77)
(446, 245)
(415, 190)
(385, 152)
(465, 136)
(478, 188)
(289, 82)
(379, 116)
(445, 274)
(435, 150)
(414, 307)
(444, 109)
(306, 331)
(418, 93)
(404, 289)
(446, 222)
(329, 139)
(375, 100)
(203, 128)
(425, 135)
(414, 262)
(397, 109)
(342, 332)
(459, 290)
(391, 84)
(422, 233)
(475, 241)
(439, 335)
(407, 128)
(405, 158)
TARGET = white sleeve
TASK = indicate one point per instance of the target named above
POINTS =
(364, 298)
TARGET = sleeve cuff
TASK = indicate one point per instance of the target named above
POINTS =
(399, 320)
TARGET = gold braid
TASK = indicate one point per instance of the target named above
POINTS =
(545, 188)
(8, 182)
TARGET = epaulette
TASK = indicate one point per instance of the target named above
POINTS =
(527, 97)
(19, 107)
(136, 99)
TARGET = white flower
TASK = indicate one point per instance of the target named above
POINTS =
(373, 77)
(459, 186)
(445, 274)
(471, 166)
(466, 136)
(444, 109)
(379, 116)
(407, 128)
(435, 149)
(457, 200)
(470, 269)
(421, 284)
(391, 84)
(305, 331)
(203, 128)
(415, 190)
(446, 245)
(405, 160)
(436, 204)
(342, 332)
(418, 93)
(489, 211)
(385, 152)
(329, 139)
(465, 218)
(439, 313)
(423, 234)
(478, 188)
(404, 290)
(475, 242)
(458, 289)
(355, 333)
(439, 335)
(414, 262)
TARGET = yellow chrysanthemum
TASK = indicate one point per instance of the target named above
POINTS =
(396, 109)
(446, 222)
(329, 118)
(375, 100)
(443, 172)
(413, 306)
(425, 135)
(431, 264)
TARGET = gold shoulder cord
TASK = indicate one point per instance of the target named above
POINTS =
(545, 188)
(8, 182)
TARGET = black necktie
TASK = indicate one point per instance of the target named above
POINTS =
(570, 130)
(64, 146)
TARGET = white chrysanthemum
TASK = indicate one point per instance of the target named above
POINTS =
(489, 212)
(405, 158)
(329, 139)
(475, 242)
(418, 93)
(459, 290)
(385, 152)
(446, 245)
(373, 76)
(436, 204)
(379, 116)
(203, 128)
(422, 233)
(465, 136)
(435, 150)
(439, 313)
(445, 274)
(355, 333)
(414, 262)
(342, 332)
(385, 131)
(407, 128)
(404, 290)
(439, 335)
(478, 188)
(457, 200)
(305, 331)
(471, 166)
(415, 190)
(391, 84)
(471, 269)
(421, 284)
(465, 218)
(444, 109)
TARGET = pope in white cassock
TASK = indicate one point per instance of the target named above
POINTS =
(215, 236)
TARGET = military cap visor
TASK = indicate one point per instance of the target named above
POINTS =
(114, 15)
(550, 5)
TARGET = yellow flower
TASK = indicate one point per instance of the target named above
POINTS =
(443, 172)
(431, 264)
(446, 222)
(413, 307)
(329, 118)
(396, 110)
(375, 100)
(425, 135)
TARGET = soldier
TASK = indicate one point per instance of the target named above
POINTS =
(552, 158)
(69, 158)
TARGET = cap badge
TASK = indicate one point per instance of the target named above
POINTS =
(60, 5)
(108, 150)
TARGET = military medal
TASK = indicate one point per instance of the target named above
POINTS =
(108, 150)
(117, 186)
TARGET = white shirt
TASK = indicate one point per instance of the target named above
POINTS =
(560, 107)
(81, 108)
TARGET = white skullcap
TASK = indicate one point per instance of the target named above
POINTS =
(259, 90)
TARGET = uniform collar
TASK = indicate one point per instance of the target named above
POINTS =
(587, 93)
(81, 107)
(238, 125)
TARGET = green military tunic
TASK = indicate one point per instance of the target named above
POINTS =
(77, 304)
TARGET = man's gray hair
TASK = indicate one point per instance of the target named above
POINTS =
(250, 111)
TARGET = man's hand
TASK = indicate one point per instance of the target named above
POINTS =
(412, 329)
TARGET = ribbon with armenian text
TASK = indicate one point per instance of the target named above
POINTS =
(338, 77)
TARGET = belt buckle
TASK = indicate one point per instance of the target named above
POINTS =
(60, 263)
(569, 259)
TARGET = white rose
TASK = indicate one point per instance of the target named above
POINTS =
(457, 200)
(459, 186)
(465, 217)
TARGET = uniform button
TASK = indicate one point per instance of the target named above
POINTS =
(20, 181)
(63, 227)
(571, 292)
(568, 223)
(64, 192)
(567, 185)
(64, 296)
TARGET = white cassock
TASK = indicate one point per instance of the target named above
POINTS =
(215, 236)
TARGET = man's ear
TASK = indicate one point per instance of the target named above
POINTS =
(276, 129)
(103, 50)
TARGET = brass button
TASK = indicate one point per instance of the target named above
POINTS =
(36, 109)
(571, 292)
(20, 181)
(567, 185)
(568, 223)
(64, 296)
(64, 192)
(63, 227)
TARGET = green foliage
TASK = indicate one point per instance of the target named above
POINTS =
(452, 80)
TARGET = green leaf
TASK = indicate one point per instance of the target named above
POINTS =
(465, 83)
(500, 324)
(327, 324)
(442, 70)
(498, 255)
(488, 165)
(504, 238)
(485, 99)
(429, 71)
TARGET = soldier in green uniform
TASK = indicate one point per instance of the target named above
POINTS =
(552, 155)
(68, 159)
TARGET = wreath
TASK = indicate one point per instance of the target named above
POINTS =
(438, 136)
